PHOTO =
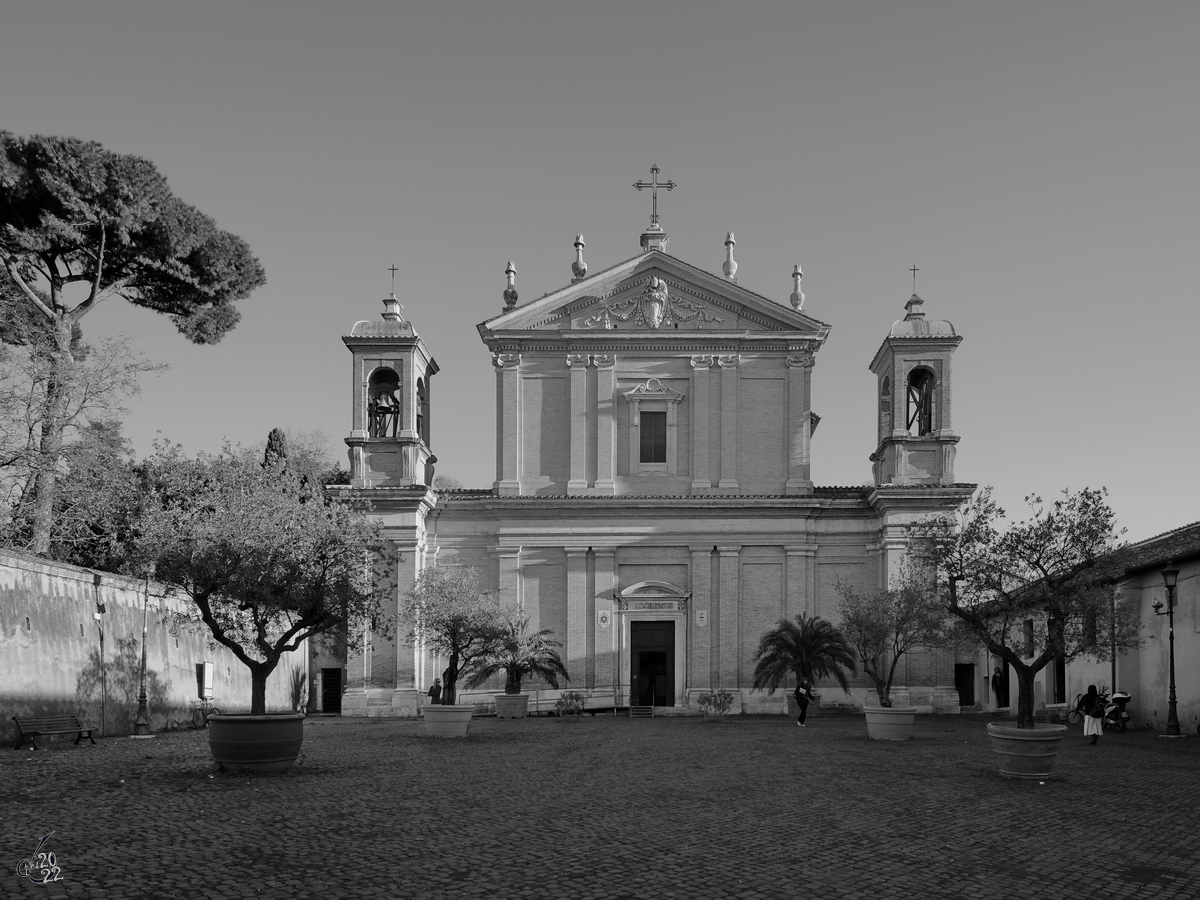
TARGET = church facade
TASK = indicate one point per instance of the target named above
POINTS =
(654, 503)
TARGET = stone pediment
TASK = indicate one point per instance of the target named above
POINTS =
(651, 293)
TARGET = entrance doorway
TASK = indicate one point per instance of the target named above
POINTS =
(652, 663)
(331, 691)
(964, 680)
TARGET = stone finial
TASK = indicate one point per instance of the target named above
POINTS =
(797, 295)
(913, 307)
(579, 267)
(730, 265)
(391, 308)
(510, 292)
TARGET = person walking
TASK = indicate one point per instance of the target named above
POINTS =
(1000, 687)
(802, 695)
(1092, 707)
(435, 692)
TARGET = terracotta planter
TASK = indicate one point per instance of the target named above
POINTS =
(1025, 752)
(569, 717)
(714, 717)
(892, 723)
(512, 706)
(447, 721)
(256, 743)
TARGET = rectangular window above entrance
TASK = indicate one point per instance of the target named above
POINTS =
(653, 437)
(653, 423)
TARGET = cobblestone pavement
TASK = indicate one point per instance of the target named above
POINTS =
(608, 808)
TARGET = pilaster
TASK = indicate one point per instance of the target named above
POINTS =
(508, 422)
(729, 386)
(727, 605)
(700, 668)
(800, 560)
(577, 363)
(577, 612)
(701, 475)
(606, 423)
(510, 576)
(406, 682)
(799, 424)
(606, 633)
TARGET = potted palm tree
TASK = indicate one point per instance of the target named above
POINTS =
(881, 627)
(808, 648)
(519, 653)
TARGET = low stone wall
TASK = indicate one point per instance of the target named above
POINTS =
(50, 651)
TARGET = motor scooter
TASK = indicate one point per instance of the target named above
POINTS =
(1115, 715)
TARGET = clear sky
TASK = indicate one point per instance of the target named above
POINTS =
(1037, 161)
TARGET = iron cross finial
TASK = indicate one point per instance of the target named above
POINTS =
(654, 185)
(393, 270)
(914, 270)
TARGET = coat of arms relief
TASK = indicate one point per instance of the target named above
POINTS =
(651, 308)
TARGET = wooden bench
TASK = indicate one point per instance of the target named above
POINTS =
(29, 727)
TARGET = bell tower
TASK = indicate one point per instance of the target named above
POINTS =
(389, 441)
(916, 442)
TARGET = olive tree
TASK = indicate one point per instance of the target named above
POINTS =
(1030, 591)
(883, 625)
(448, 613)
(266, 559)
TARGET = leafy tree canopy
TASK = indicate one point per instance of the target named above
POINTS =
(456, 620)
(80, 224)
(73, 213)
(883, 625)
(92, 461)
(1031, 591)
(265, 558)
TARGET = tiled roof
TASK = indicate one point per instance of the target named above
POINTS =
(1176, 546)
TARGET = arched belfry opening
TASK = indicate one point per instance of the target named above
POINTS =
(919, 402)
(383, 404)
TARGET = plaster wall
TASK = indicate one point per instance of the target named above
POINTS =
(50, 652)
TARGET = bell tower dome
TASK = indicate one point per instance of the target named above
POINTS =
(916, 443)
(390, 437)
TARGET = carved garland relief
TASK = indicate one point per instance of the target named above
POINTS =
(651, 308)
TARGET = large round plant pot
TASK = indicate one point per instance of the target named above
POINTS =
(256, 743)
(512, 706)
(890, 723)
(1025, 752)
(447, 721)
(716, 718)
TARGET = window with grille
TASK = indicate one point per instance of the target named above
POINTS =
(653, 437)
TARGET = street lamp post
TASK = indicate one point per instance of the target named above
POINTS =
(141, 724)
(96, 577)
(1170, 578)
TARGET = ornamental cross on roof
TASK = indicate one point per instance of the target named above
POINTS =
(654, 185)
